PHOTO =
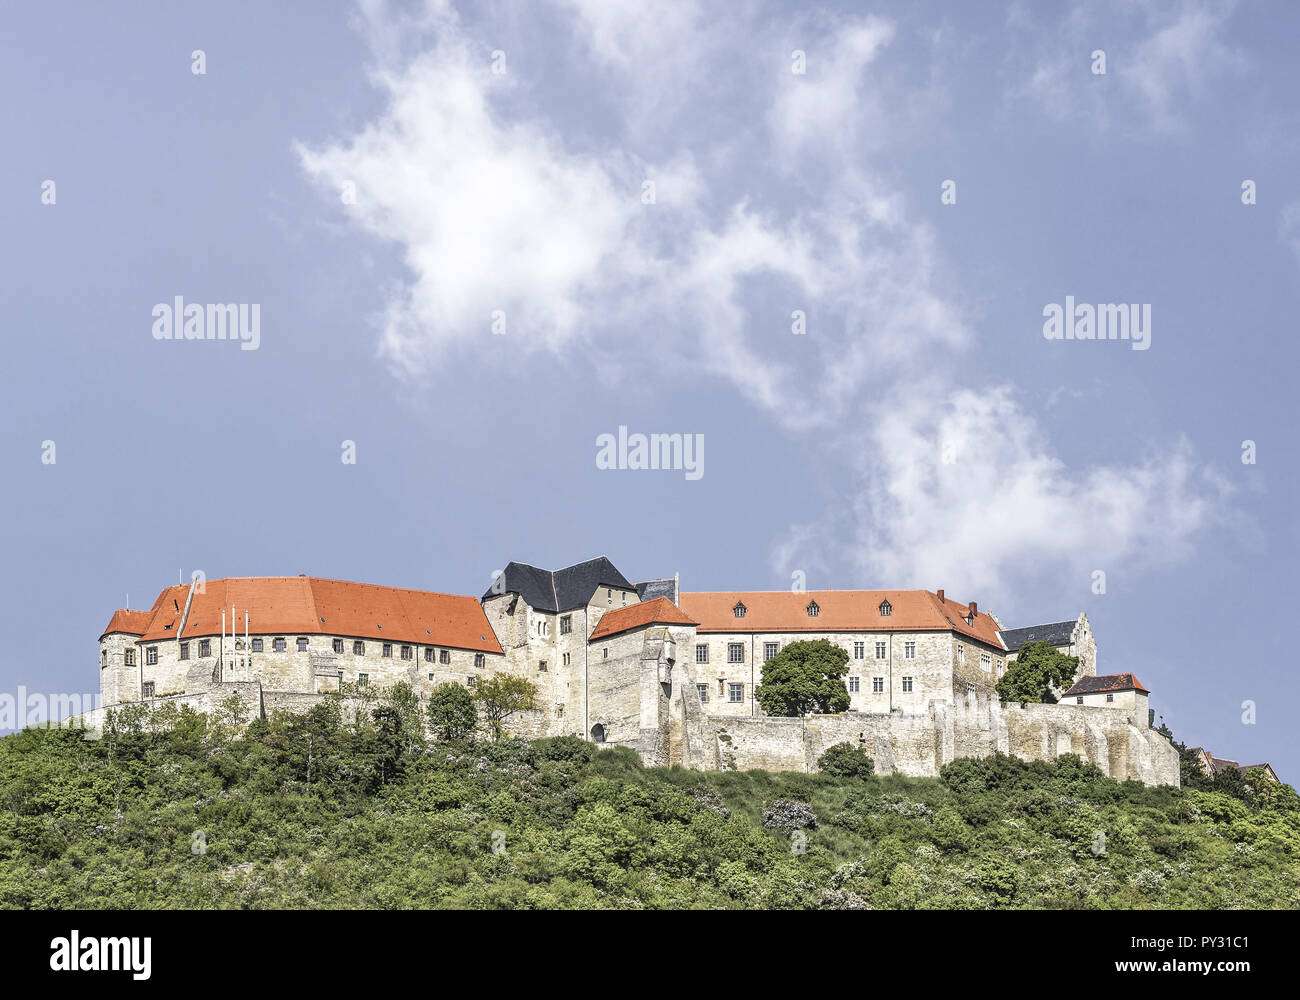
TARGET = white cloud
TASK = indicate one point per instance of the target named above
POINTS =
(496, 206)
(1162, 57)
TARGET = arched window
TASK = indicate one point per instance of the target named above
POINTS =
(598, 733)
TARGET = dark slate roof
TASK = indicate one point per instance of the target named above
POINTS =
(651, 589)
(1106, 682)
(561, 590)
(1054, 634)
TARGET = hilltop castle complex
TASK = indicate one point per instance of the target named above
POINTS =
(642, 665)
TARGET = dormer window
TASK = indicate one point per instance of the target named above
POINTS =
(813, 609)
(885, 608)
(738, 610)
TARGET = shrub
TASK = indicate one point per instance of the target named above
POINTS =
(844, 760)
(789, 815)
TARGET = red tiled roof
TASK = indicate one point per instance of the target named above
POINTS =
(303, 605)
(838, 611)
(130, 622)
(659, 611)
(1106, 682)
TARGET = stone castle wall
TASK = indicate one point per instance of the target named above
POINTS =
(1123, 746)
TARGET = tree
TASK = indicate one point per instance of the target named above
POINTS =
(503, 695)
(843, 760)
(803, 678)
(451, 712)
(1035, 671)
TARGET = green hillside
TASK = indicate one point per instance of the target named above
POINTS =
(183, 810)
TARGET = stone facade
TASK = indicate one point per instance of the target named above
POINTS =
(677, 690)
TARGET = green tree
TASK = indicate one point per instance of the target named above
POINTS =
(805, 677)
(502, 696)
(1037, 668)
(843, 760)
(451, 712)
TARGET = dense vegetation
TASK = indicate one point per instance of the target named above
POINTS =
(185, 810)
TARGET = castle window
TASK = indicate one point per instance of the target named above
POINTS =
(151, 655)
(185, 650)
(853, 685)
(605, 651)
(769, 650)
(961, 653)
(148, 689)
(428, 654)
(566, 624)
(885, 608)
(1110, 697)
(986, 661)
(388, 649)
(736, 652)
(702, 653)
(907, 684)
(970, 689)
(598, 733)
(566, 659)
(735, 692)
(877, 685)
(257, 645)
(478, 661)
(541, 666)
(431, 677)
(471, 680)
(103, 657)
(859, 650)
(363, 680)
(406, 652)
(358, 647)
(444, 656)
(738, 610)
(302, 644)
(609, 596)
(909, 651)
(813, 610)
(129, 657)
(882, 650)
(704, 691)
(337, 645)
(278, 645)
(205, 647)
(1078, 699)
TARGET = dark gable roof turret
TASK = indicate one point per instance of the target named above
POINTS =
(651, 589)
(561, 590)
(1054, 634)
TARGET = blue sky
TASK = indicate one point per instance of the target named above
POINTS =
(521, 192)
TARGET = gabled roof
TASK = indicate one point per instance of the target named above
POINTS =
(129, 622)
(651, 589)
(838, 611)
(1106, 682)
(561, 590)
(659, 611)
(303, 605)
(1053, 633)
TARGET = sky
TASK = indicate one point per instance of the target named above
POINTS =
(821, 242)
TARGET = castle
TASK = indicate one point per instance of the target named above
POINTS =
(671, 674)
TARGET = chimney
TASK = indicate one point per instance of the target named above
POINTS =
(973, 611)
(940, 594)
